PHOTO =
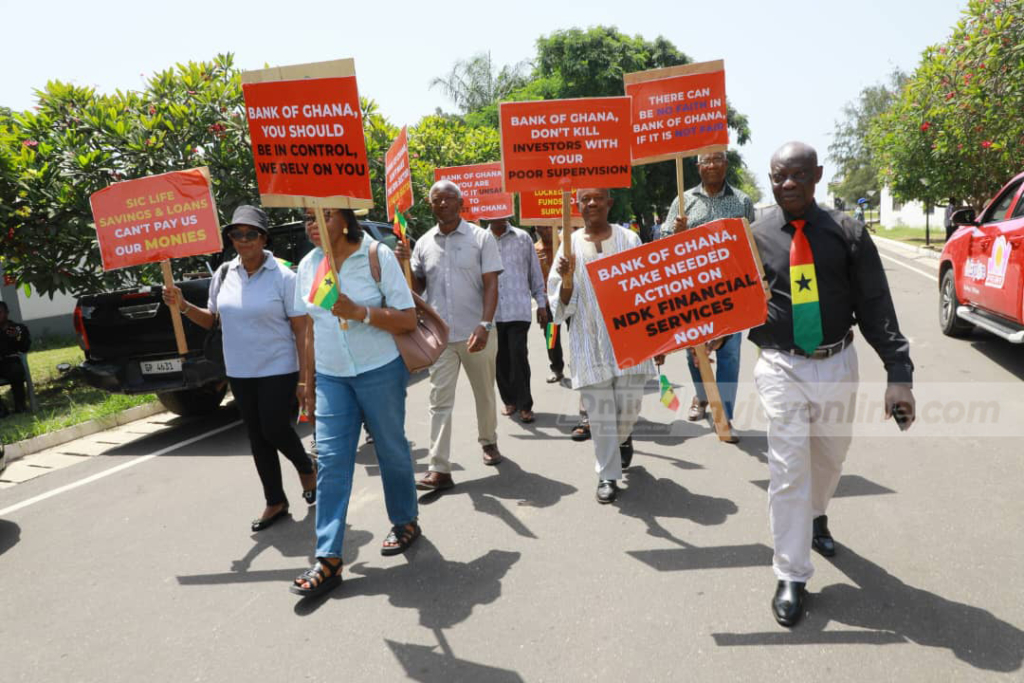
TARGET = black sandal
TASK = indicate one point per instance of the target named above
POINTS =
(581, 432)
(318, 579)
(400, 538)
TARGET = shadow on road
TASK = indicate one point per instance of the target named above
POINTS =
(1000, 351)
(894, 612)
(509, 482)
(850, 485)
(290, 538)
(442, 591)
(424, 663)
(10, 534)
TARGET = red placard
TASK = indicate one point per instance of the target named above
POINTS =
(544, 207)
(678, 110)
(680, 291)
(560, 144)
(307, 135)
(397, 176)
(482, 196)
(159, 217)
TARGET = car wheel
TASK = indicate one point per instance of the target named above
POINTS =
(205, 399)
(951, 325)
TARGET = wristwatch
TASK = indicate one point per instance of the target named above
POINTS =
(488, 326)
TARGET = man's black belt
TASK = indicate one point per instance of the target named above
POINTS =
(823, 352)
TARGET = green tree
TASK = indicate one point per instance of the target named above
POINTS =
(957, 128)
(849, 150)
(76, 141)
(474, 83)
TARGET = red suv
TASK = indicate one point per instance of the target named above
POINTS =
(981, 271)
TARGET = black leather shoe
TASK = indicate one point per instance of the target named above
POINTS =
(626, 451)
(788, 603)
(821, 540)
(607, 489)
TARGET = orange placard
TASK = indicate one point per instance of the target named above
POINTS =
(482, 196)
(171, 215)
(680, 291)
(307, 135)
(561, 144)
(678, 110)
(397, 177)
(544, 207)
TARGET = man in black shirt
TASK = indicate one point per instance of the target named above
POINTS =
(14, 339)
(825, 276)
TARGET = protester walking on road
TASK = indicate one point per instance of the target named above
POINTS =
(825, 276)
(712, 199)
(14, 340)
(356, 375)
(263, 334)
(520, 279)
(457, 265)
(612, 396)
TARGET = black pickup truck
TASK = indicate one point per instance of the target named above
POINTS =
(128, 338)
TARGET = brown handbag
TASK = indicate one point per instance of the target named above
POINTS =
(422, 346)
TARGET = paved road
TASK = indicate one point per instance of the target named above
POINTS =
(143, 568)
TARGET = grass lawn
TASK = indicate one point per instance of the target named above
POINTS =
(64, 398)
(914, 236)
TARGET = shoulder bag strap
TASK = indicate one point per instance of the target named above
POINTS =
(375, 271)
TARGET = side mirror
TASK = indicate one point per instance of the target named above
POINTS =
(963, 217)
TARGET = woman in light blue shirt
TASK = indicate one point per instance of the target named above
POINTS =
(357, 375)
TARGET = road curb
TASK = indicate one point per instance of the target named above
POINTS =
(895, 245)
(20, 449)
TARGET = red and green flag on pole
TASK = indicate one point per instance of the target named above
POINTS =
(401, 226)
(324, 291)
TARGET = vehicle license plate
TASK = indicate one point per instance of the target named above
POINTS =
(160, 367)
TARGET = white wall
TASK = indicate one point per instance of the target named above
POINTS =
(911, 214)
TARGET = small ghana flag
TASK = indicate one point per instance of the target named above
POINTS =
(803, 288)
(551, 335)
(325, 290)
(668, 397)
(401, 225)
(286, 264)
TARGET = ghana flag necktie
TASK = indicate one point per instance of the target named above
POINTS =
(803, 286)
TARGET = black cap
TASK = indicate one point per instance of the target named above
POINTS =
(251, 216)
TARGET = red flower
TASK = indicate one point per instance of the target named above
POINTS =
(152, 111)
(925, 125)
(949, 95)
(29, 143)
(986, 144)
(967, 79)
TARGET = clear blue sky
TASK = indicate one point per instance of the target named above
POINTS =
(790, 66)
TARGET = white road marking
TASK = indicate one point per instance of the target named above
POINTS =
(114, 470)
(930, 276)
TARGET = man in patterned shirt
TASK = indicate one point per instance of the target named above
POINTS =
(520, 280)
(712, 199)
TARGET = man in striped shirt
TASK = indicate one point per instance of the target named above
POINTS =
(520, 280)
(712, 199)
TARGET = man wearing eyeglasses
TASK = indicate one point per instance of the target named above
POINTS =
(711, 200)
(825, 276)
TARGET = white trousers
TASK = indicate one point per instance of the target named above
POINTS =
(444, 376)
(810, 406)
(614, 408)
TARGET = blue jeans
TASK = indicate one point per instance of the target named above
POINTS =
(728, 360)
(343, 404)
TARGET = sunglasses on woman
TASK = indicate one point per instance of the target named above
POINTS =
(244, 235)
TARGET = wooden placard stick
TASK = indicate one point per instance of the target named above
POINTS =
(707, 375)
(405, 262)
(328, 246)
(567, 231)
(179, 330)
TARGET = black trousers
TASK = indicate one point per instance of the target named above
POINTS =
(555, 359)
(513, 365)
(266, 407)
(13, 371)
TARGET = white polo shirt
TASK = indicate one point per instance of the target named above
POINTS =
(254, 314)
